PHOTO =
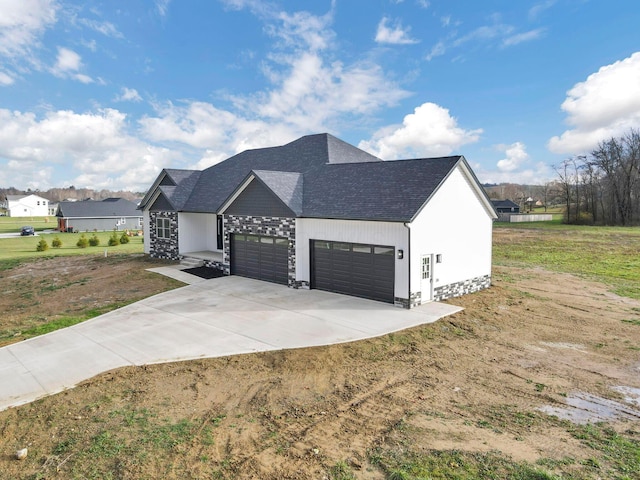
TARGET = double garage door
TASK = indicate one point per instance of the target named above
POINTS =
(354, 269)
(260, 257)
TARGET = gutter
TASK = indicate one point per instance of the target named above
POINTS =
(408, 227)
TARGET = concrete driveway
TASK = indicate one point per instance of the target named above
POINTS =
(209, 318)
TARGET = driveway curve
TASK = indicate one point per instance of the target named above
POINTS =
(210, 318)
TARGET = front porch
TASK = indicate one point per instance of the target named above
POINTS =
(207, 258)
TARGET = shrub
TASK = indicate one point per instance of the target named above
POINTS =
(94, 241)
(56, 242)
(124, 238)
(114, 240)
(42, 245)
(82, 242)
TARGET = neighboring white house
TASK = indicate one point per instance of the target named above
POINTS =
(26, 206)
(320, 213)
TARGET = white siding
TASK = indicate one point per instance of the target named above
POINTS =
(377, 233)
(28, 206)
(197, 232)
(146, 230)
(456, 225)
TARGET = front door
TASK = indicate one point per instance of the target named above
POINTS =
(426, 278)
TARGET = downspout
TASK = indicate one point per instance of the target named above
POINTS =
(408, 257)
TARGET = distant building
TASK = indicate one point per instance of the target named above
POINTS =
(505, 206)
(90, 215)
(26, 206)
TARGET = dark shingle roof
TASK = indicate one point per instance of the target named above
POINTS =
(286, 185)
(304, 155)
(111, 207)
(319, 176)
(391, 190)
(504, 204)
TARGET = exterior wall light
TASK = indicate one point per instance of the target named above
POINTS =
(439, 258)
(400, 254)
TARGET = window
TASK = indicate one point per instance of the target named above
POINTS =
(163, 228)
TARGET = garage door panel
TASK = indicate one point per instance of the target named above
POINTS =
(260, 257)
(354, 269)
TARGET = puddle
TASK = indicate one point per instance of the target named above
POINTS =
(631, 395)
(584, 408)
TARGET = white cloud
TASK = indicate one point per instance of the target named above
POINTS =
(68, 64)
(515, 155)
(303, 29)
(394, 34)
(313, 95)
(495, 34)
(536, 174)
(67, 60)
(523, 37)
(105, 28)
(162, 6)
(538, 8)
(424, 3)
(128, 95)
(6, 79)
(22, 23)
(102, 152)
(437, 50)
(606, 104)
(429, 131)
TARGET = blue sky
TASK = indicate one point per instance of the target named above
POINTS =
(105, 94)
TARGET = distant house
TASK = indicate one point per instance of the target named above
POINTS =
(505, 206)
(26, 206)
(89, 215)
(53, 208)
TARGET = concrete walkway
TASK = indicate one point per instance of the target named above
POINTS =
(209, 318)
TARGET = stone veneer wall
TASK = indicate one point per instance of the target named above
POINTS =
(414, 300)
(461, 288)
(166, 248)
(283, 227)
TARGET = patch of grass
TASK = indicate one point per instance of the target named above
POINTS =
(632, 321)
(14, 224)
(341, 471)
(16, 248)
(61, 322)
(607, 254)
(615, 455)
(454, 464)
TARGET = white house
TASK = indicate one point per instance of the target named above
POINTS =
(320, 213)
(27, 206)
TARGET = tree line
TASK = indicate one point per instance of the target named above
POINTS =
(603, 188)
(56, 195)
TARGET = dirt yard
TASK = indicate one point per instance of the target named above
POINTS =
(472, 382)
(52, 288)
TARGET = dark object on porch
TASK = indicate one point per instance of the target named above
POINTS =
(205, 272)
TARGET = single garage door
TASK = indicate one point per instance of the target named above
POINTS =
(260, 257)
(354, 269)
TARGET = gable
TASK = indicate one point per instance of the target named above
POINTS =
(161, 204)
(256, 199)
(167, 181)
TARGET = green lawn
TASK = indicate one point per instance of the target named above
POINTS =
(25, 247)
(607, 254)
(13, 224)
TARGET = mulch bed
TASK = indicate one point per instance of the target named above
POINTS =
(204, 272)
